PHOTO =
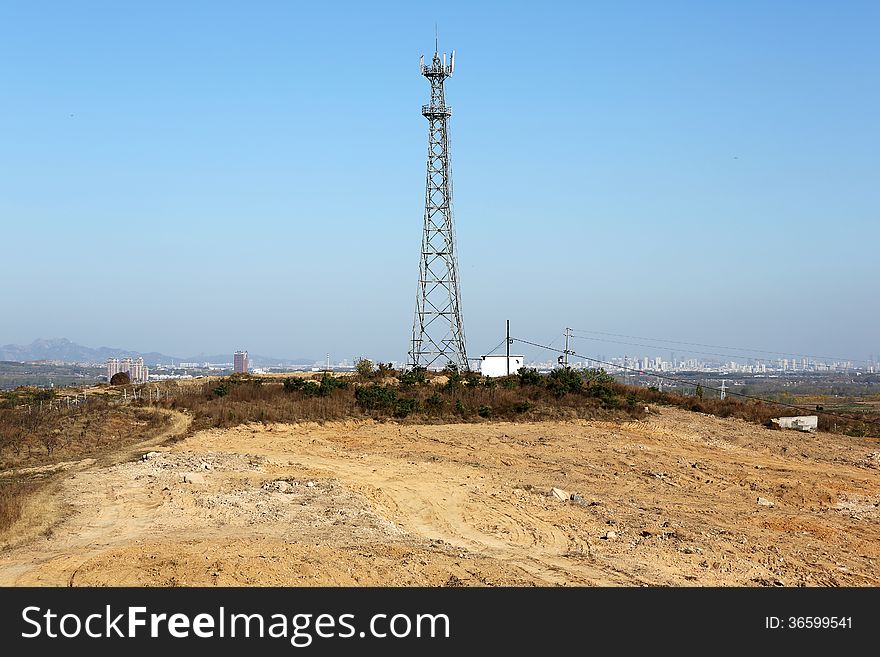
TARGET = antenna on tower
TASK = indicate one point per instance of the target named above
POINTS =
(436, 39)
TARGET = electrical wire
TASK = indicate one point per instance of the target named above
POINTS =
(715, 346)
(503, 340)
(686, 351)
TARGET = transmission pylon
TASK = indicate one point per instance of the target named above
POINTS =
(438, 334)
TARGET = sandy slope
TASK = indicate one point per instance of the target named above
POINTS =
(669, 500)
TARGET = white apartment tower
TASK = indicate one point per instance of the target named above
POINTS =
(136, 370)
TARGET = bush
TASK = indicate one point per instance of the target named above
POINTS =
(307, 388)
(484, 411)
(329, 384)
(435, 401)
(221, 390)
(522, 407)
(564, 380)
(529, 376)
(415, 376)
(453, 381)
(364, 368)
(404, 406)
(376, 397)
(472, 380)
(597, 375)
(509, 382)
(120, 379)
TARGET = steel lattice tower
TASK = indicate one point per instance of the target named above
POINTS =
(438, 334)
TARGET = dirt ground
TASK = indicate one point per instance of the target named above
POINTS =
(676, 499)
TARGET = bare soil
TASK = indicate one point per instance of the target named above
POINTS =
(676, 499)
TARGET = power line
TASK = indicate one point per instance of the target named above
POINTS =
(496, 347)
(716, 346)
(687, 351)
(691, 383)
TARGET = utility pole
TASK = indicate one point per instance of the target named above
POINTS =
(508, 347)
(723, 389)
(567, 336)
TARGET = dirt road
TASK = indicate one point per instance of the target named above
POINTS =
(676, 499)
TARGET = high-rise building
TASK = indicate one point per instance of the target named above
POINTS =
(136, 370)
(240, 362)
(112, 367)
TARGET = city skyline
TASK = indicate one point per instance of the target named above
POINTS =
(686, 360)
(611, 179)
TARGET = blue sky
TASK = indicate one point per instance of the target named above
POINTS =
(207, 176)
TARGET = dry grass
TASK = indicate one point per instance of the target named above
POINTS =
(29, 438)
(761, 412)
(12, 497)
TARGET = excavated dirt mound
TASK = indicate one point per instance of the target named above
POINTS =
(676, 499)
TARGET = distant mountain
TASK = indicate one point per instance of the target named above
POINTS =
(64, 349)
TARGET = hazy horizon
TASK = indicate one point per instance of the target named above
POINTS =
(186, 178)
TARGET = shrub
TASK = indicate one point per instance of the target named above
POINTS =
(329, 384)
(484, 411)
(597, 375)
(404, 406)
(376, 397)
(522, 407)
(564, 380)
(364, 368)
(307, 388)
(222, 388)
(435, 401)
(450, 369)
(453, 381)
(417, 375)
(529, 376)
(120, 379)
